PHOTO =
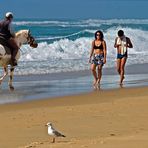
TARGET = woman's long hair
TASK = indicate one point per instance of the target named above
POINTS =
(101, 35)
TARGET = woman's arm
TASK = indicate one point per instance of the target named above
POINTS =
(105, 51)
(115, 45)
(92, 51)
(129, 43)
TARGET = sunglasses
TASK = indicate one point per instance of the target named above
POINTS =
(98, 35)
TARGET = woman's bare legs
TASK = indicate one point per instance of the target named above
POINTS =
(99, 74)
(93, 69)
(120, 68)
(122, 65)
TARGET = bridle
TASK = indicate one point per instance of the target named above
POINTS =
(30, 40)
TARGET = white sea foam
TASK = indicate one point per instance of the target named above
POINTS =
(72, 55)
(115, 21)
(62, 49)
(58, 23)
(40, 23)
(65, 48)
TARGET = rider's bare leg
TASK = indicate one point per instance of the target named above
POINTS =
(15, 48)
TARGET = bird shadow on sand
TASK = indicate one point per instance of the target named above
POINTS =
(63, 141)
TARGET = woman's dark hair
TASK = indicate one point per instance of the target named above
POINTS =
(101, 35)
(120, 33)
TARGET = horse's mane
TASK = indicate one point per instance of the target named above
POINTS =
(18, 33)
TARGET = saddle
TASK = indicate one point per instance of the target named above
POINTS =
(7, 47)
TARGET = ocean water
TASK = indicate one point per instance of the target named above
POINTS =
(64, 45)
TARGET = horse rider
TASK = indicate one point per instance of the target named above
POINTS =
(7, 33)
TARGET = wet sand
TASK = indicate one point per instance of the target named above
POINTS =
(105, 118)
(34, 87)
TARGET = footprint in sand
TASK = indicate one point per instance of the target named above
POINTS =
(33, 145)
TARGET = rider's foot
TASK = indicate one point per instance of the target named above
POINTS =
(14, 62)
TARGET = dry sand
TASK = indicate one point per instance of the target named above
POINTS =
(102, 119)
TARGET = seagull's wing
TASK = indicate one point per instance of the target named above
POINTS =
(58, 134)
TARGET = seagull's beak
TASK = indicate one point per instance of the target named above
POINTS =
(45, 124)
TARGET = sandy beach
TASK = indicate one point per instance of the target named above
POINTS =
(105, 118)
(53, 82)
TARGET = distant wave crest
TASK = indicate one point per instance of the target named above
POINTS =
(83, 23)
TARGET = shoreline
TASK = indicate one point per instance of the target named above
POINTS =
(104, 118)
(58, 101)
(34, 87)
(36, 90)
(129, 69)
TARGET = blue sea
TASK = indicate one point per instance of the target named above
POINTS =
(64, 45)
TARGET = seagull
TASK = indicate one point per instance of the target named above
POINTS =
(53, 132)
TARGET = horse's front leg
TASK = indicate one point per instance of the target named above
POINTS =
(11, 78)
(4, 74)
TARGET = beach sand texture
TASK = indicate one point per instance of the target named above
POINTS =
(106, 119)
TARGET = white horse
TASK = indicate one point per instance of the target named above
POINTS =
(21, 37)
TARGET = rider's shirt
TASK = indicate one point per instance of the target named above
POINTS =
(6, 29)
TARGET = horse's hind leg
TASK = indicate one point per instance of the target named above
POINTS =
(11, 78)
(4, 74)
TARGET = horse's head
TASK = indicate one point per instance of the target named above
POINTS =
(24, 36)
(31, 41)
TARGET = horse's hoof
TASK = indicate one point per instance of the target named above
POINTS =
(11, 88)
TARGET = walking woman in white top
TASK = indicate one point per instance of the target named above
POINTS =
(122, 43)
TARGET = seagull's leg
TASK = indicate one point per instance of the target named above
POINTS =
(53, 140)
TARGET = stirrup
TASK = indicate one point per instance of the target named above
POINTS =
(14, 62)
